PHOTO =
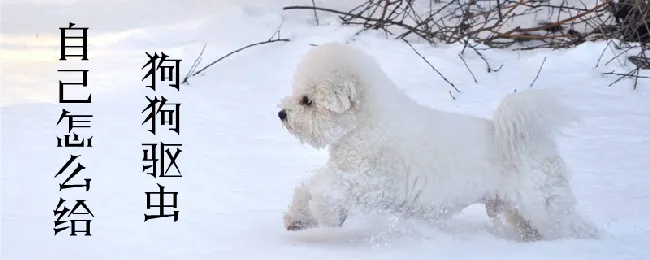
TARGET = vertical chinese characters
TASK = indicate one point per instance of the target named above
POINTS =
(160, 158)
(74, 44)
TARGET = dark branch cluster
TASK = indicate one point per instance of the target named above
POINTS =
(505, 23)
(490, 22)
(495, 24)
(632, 19)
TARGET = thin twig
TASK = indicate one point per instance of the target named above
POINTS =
(233, 52)
(430, 65)
(601, 55)
(538, 71)
(383, 14)
(277, 31)
(195, 64)
(487, 64)
(468, 69)
(636, 77)
(389, 22)
(313, 3)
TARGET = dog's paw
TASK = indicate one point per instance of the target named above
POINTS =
(493, 207)
(584, 229)
(301, 225)
(298, 220)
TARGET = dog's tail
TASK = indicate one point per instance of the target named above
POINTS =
(527, 122)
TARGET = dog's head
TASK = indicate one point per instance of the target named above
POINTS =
(325, 97)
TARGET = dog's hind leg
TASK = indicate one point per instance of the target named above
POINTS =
(525, 126)
(524, 231)
(498, 210)
(493, 207)
(547, 203)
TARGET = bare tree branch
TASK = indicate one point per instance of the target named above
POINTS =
(538, 71)
(430, 65)
(231, 53)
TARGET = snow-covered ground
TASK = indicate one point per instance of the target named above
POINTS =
(239, 165)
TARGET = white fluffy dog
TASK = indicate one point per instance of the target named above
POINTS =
(387, 152)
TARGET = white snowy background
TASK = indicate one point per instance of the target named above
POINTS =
(239, 165)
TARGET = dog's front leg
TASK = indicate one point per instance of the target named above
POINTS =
(321, 201)
(298, 215)
(328, 210)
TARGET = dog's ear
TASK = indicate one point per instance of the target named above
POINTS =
(340, 94)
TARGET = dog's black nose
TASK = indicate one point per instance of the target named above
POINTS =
(282, 114)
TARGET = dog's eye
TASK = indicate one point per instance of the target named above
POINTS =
(305, 101)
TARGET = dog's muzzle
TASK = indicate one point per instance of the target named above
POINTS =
(282, 115)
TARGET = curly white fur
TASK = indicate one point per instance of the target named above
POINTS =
(389, 153)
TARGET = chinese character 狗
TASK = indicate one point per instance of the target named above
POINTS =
(169, 114)
(76, 225)
(157, 155)
(161, 204)
(167, 72)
